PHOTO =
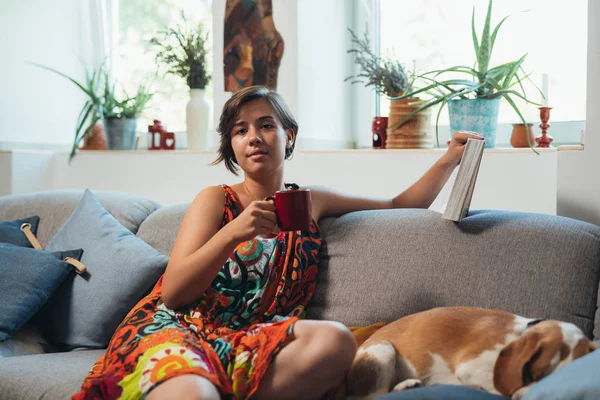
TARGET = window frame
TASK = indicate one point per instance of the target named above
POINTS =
(563, 132)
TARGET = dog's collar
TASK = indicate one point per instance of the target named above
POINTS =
(534, 322)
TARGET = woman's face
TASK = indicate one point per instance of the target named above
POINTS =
(258, 138)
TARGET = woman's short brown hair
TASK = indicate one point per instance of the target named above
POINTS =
(229, 115)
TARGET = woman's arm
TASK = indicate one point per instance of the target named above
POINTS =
(200, 249)
(330, 203)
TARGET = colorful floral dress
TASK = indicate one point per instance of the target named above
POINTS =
(229, 336)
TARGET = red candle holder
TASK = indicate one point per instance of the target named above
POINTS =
(155, 133)
(167, 141)
(544, 139)
(378, 130)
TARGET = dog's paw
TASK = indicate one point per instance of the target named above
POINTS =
(407, 384)
(519, 394)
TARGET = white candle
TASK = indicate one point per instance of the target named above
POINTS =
(545, 89)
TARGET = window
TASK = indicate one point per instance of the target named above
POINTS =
(436, 34)
(133, 59)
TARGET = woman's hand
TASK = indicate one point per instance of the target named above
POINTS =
(257, 219)
(456, 146)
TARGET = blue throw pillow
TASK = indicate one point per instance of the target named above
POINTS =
(10, 231)
(84, 313)
(442, 392)
(578, 380)
(28, 277)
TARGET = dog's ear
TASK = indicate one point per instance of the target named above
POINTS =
(583, 347)
(514, 365)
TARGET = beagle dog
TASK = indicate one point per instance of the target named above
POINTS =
(492, 350)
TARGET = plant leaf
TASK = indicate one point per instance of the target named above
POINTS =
(496, 29)
(85, 133)
(511, 73)
(483, 58)
(514, 106)
(79, 85)
(474, 33)
(79, 136)
(437, 123)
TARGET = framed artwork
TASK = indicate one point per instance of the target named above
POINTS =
(252, 46)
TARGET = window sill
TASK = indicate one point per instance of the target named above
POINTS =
(311, 151)
(175, 176)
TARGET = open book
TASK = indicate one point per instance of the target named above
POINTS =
(462, 190)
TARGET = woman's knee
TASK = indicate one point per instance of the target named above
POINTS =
(334, 344)
(185, 387)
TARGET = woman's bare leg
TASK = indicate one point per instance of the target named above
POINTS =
(185, 387)
(314, 362)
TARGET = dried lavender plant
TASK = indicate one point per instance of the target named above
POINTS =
(185, 52)
(389, 77)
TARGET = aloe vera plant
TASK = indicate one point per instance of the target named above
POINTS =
(481, 81)
(102, 101)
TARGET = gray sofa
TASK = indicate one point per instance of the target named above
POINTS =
(375, 266)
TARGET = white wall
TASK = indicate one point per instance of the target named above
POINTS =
(579, 172)
(176, 177)
(37, 106)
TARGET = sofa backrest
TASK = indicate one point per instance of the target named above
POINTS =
(55, 207)
(382, 265)
(160, 229)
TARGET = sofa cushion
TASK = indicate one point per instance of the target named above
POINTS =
(529, 264)
(575, 381)
(10, 231)
(27, 340)
(122, 268)
(28, 277)
(55, 207)
(160, 229)
(45, 376)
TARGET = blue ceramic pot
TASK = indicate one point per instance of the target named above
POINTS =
(477, 115)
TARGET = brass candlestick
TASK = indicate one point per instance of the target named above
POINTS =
(544, 140)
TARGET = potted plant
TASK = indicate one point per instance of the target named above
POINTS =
(407, 126)
(473, 100)
(185, 53)
(119, 117)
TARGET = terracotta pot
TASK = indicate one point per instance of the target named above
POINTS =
(414, 126)
(96, 139)
(519, 136)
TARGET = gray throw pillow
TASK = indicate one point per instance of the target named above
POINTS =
(84, 313)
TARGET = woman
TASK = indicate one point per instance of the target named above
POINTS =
(223, 321)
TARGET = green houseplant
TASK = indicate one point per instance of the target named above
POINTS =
(389, 77)
(117, 113)
(475, 91)
(185, 52)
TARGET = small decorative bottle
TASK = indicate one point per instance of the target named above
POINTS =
(378, 130)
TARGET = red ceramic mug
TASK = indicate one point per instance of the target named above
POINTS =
(293, 209)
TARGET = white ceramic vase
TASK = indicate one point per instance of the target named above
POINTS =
(196, 115)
